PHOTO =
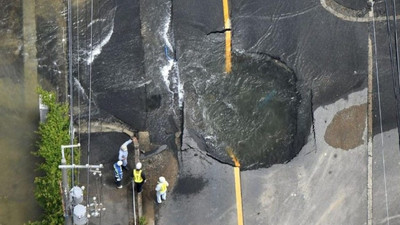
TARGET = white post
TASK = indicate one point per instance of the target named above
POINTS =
(65, 183)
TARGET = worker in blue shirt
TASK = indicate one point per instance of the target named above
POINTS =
(118, 173)
(123, 152)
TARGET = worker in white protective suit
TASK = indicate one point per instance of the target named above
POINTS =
(161, 189)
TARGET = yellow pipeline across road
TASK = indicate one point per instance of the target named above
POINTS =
(228, 35)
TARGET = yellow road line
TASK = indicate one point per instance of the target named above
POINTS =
(228, 60)
(238, 189)
(226, 13)
(228, 35)
(238, 196)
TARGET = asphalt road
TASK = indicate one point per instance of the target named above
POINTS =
(322, 184)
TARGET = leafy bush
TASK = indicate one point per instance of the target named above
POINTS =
(142, 220)
(52, 134)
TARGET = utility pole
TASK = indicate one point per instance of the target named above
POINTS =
(65, 185)
(71, 207)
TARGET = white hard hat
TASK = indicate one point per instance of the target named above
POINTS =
(119, 163)
(124, 148)
(138, 166)
(161, 179)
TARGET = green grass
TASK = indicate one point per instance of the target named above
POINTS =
(142, 221)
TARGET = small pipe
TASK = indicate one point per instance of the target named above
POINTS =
(81, 166)
(68, 146)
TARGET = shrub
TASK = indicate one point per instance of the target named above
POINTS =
(52, 134)
(142, 220)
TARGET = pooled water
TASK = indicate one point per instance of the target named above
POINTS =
(18, 122)
(253, 110)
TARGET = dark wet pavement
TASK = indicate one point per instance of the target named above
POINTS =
(208, 195)
(104, 149)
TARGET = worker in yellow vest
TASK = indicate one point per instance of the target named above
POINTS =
(161, 189)
(138, 177)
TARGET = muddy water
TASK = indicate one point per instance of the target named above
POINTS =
(19, 119)
(18, 123)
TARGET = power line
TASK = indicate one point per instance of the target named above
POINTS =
(78, 68)
(96, 205)
(396, 84)
(395, 88)
(90, 92)
(395, 39)
(380, 114)
(71, 85)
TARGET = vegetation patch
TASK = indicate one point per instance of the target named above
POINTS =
(52, 134)
(142, 221)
